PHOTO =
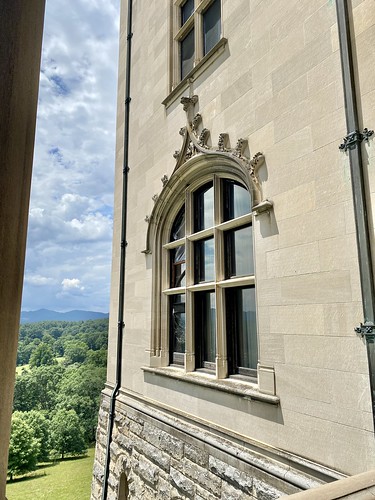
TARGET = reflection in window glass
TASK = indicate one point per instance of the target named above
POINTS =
(241, 329)
(187, 53)
(211, 26)
(204, 207)
(178, 267)
(205, 329)
(177, 328)
(186, 11)
(236, 200)
(178, 228)
(204, 260)
(239, 252)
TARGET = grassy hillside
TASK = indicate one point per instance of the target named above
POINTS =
(69, 479)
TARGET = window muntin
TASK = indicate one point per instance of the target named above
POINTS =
(211, 26)
(197, 29)
(211, 279)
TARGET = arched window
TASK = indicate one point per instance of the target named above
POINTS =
(208, 302)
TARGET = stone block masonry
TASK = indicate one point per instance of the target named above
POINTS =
(161, 461)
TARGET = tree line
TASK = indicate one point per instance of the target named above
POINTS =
(56, 397)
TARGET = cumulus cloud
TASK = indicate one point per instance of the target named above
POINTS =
(70, 221)
(71, 284)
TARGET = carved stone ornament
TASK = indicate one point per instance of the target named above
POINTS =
(195, 138)
(164, 179)
(155, 198)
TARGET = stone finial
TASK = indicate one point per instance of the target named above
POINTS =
(164, 179)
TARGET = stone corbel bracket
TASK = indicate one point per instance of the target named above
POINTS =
(195, 142)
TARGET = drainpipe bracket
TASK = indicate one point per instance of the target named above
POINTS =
(366, 330)
(354, 138)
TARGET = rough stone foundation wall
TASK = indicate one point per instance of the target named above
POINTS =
(164, 463)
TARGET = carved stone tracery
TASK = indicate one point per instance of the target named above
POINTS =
(195, 143)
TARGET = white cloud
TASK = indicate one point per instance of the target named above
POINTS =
(71, 284)
(70, 222)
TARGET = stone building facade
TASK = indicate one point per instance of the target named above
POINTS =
(240, 374)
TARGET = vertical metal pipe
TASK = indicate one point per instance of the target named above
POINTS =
(352, 143)
(121, 298)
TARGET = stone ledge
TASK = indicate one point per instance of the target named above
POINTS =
(206, 61)
(354, 487)
(231, 386)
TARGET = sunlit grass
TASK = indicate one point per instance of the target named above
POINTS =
(66, 480)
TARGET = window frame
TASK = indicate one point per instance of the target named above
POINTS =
(179, 33)
(220, 368)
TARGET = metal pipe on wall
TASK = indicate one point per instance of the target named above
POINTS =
(352, 144)
(121, 298)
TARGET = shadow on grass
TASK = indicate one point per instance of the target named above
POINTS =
(40, 469)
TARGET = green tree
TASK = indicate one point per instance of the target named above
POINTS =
(75, 352)
(97, 358)
(23, 447)
(42, 355)
(67, 435)
(80, 391)
(40, 426)
(38, 388)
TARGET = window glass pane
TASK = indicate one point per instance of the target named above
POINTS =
(204, 207)
(205, 329)
(236, 201)
(204, 260)
(241, 329)
(178, 228)
(187, 53)
(239, 260)
(211, 26)
(177, 328)
(186, 11)
(178, 267)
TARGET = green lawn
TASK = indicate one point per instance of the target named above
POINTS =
(67, 480)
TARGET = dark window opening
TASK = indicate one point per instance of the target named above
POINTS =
(187, 53)
(236, 200)
(205, 329)
(239, 259)
(178, 228)
(242, 340)
(177, 329)
(211, 26)
(204, 207)
(186, 11)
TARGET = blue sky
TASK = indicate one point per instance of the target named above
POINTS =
(68, 257)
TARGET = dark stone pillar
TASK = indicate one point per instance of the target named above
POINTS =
(21, 28)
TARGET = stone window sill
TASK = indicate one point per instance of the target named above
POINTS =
(200, 67)
(247, 390)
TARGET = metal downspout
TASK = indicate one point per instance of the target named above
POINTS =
(352, 143)
(121, 298)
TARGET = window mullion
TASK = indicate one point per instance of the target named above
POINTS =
(221, 340)
(189, 249)
(198, 38)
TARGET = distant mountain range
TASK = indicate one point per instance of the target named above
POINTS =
(47, 315)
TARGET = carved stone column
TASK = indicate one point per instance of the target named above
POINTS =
(21, 28)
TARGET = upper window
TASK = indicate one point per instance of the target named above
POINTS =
(210, 284)
(197, 31)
